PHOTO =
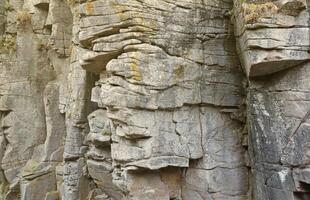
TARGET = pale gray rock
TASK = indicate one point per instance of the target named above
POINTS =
(271, 35)
(154, 99)
(36, 189)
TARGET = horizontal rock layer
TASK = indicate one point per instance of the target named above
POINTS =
(154, 99)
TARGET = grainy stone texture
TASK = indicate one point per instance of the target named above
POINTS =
(154, 99)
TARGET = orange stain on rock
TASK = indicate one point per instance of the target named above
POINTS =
(89, 8)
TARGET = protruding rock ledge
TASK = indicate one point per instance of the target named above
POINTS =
(271, 37)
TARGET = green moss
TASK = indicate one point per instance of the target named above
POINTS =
(106, 133)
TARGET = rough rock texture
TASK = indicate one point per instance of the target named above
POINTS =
(154, 99)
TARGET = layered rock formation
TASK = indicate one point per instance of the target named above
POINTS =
(154, 99)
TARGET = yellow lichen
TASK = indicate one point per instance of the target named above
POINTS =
(7, 43)
(252, 12)
(136, 75)
(24, 17)
(123, 12)
(119, 10)
(71, 2)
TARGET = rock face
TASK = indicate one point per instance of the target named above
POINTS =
(154, 99)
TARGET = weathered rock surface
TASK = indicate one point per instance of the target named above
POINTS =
(154, 99)
(271, 35)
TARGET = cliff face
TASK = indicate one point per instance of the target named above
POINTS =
(154, 99)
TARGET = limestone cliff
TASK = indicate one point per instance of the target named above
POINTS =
(154, 100)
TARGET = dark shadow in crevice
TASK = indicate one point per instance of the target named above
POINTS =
(304, 193)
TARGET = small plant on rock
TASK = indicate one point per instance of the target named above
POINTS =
(23, 17)
(252, 12)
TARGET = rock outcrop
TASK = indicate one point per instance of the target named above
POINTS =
(154, 99)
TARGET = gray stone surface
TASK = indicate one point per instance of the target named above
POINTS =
(154, 99)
